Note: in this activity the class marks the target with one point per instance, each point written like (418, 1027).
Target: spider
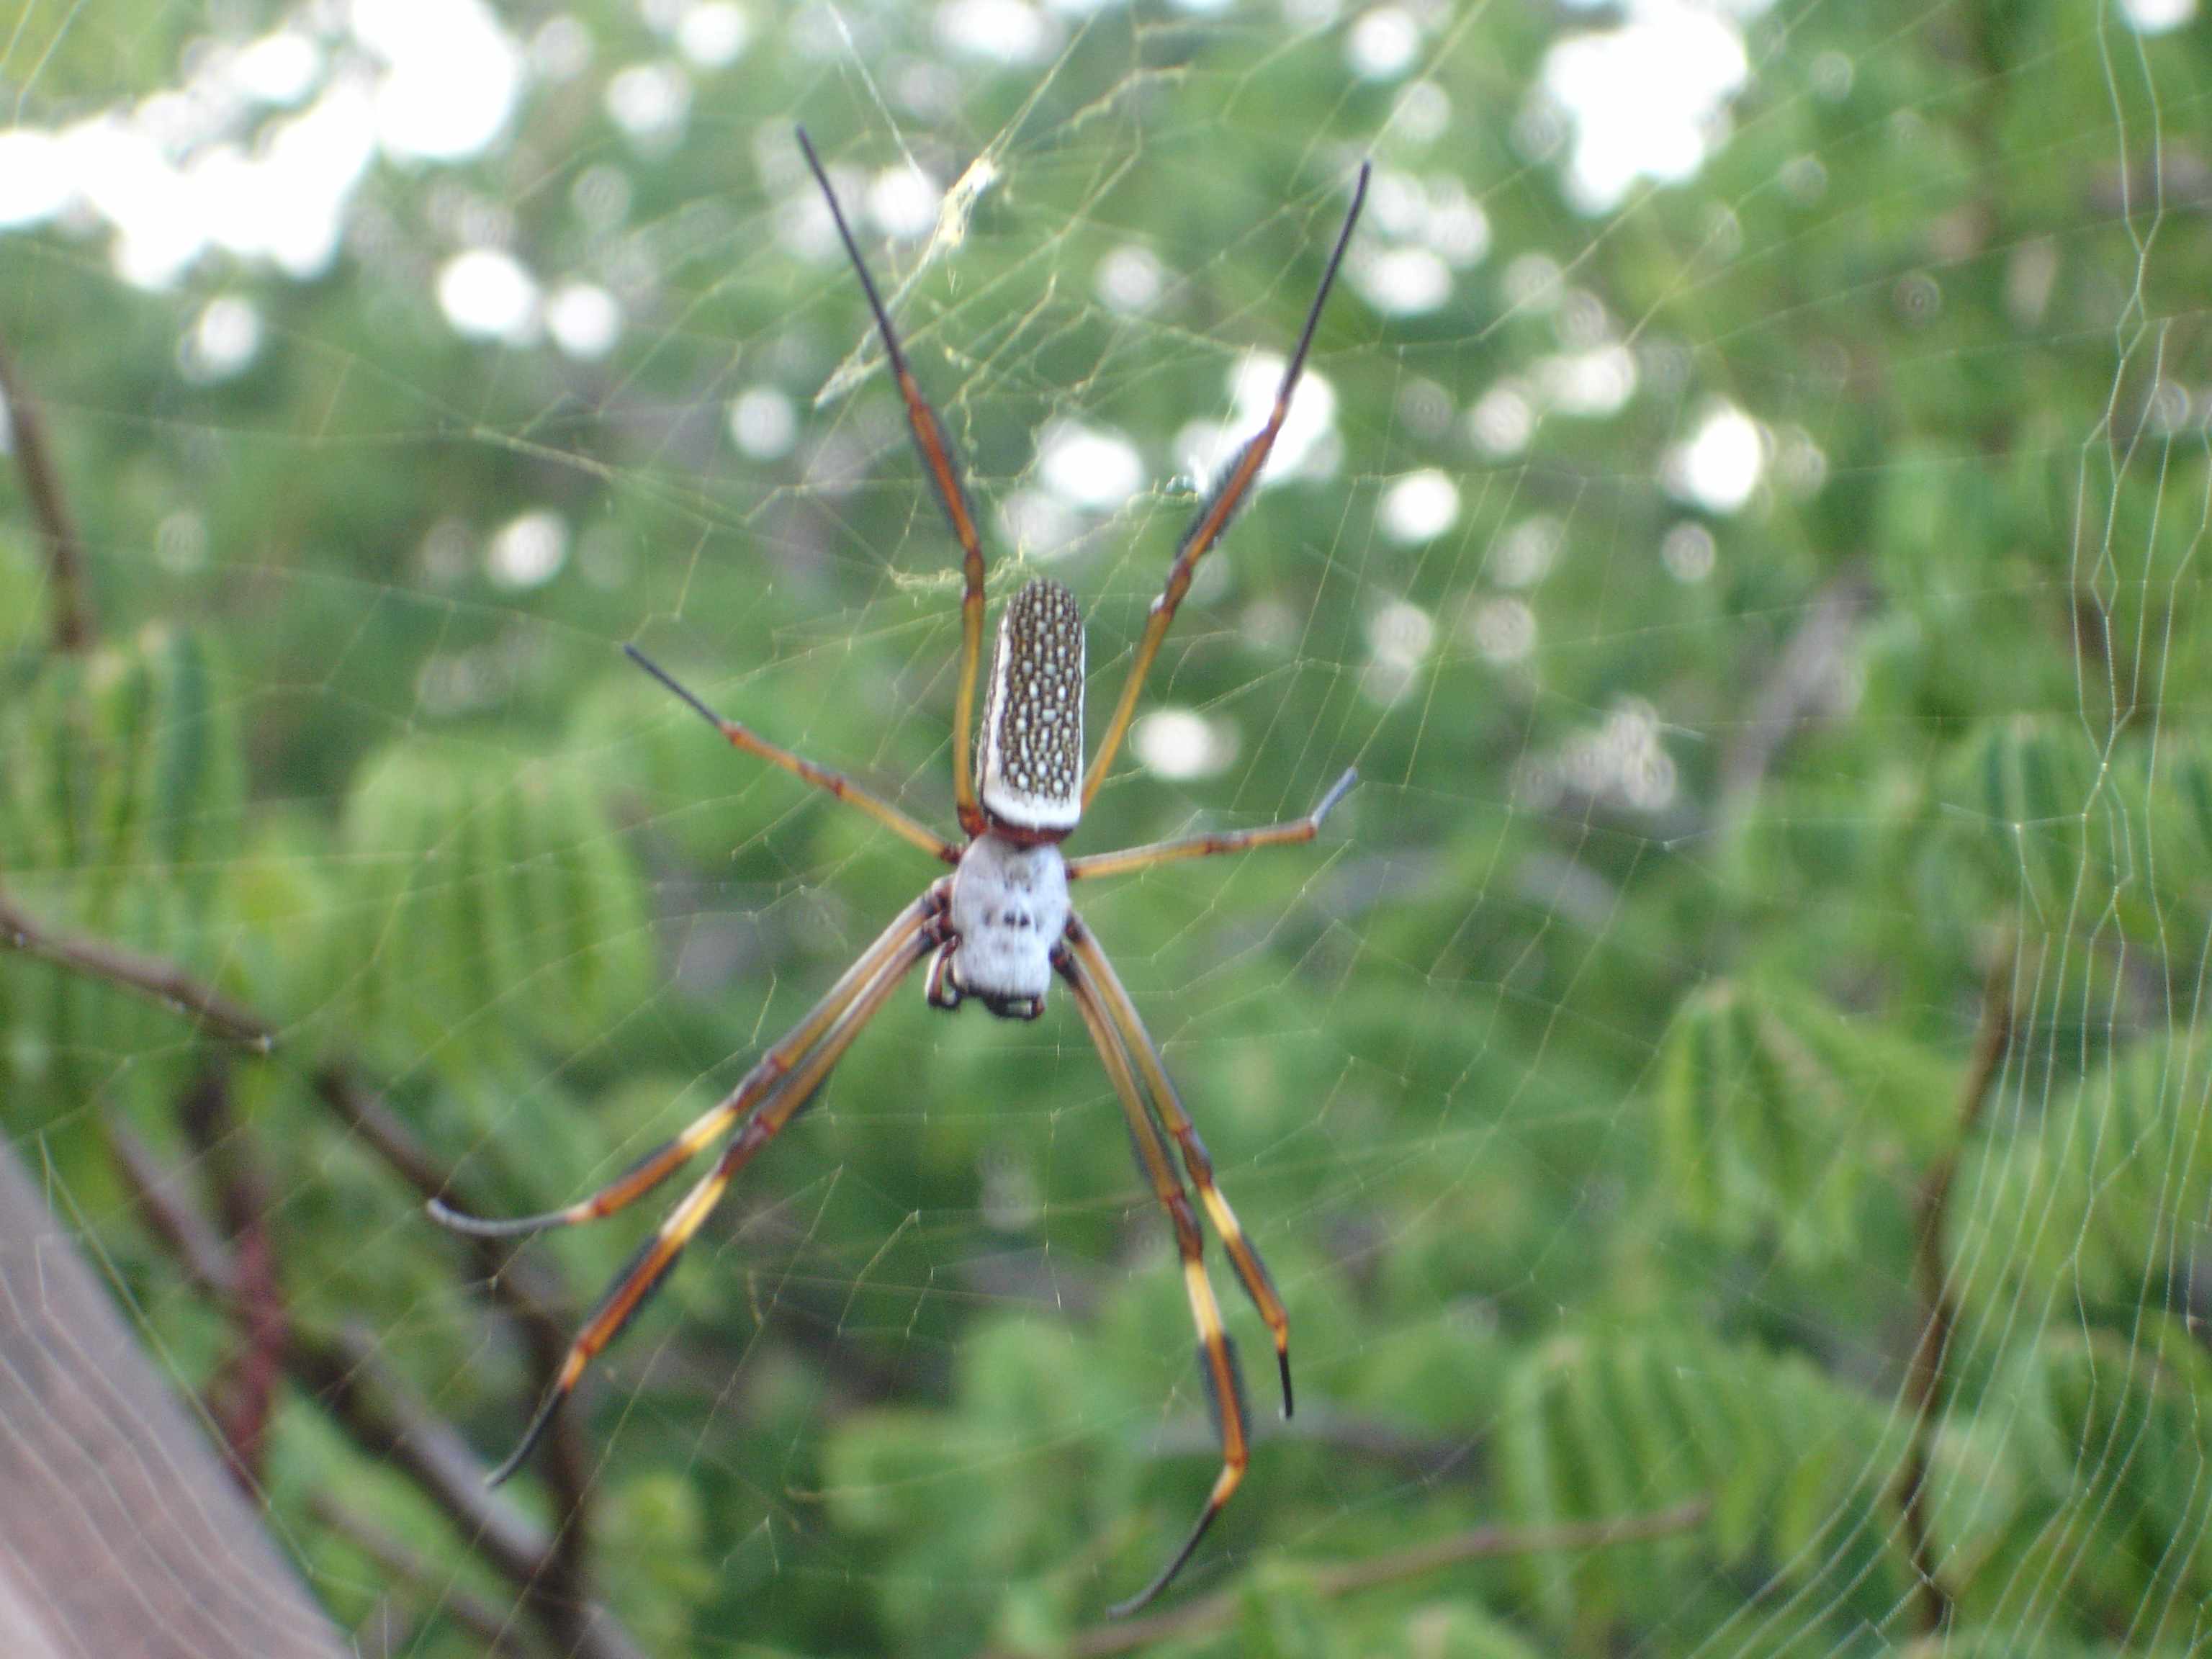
(997, 928)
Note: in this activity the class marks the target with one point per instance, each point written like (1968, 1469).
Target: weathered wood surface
(121, 1535)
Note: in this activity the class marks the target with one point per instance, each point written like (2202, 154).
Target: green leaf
(1774, 1111)
(1786, 1455)
(508, 896)
(2097, 1198)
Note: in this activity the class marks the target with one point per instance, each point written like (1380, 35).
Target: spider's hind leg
(939, 988)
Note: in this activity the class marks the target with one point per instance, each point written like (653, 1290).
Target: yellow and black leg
(1217, 1355)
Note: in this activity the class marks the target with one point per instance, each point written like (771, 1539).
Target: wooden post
(120, 1531)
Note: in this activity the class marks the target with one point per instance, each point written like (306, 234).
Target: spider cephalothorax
(1009, 909)
(999, 929)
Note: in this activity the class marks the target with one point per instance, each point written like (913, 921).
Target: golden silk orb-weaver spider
(997, 928)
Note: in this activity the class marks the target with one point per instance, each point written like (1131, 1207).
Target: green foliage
(2105, 1428)
(123, 766)
(122, 791)
(1599, 1424)
(1774, 1111)
(508, 894)
(1587, 1083)
(2117, 1171)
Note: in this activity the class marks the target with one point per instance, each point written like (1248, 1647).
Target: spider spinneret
(999, 927)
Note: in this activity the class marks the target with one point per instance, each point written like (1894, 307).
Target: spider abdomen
(1009, 914)
(1028, 751)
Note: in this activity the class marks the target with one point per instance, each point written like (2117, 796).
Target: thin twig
(1207, 1613)
(530, 1294)
(383, 1415)
(1925, 1382)
(153, 977)
(242, 1397)
(1800, 688)
(169, 1214)
(553, 1574)
(559, 1581)
(27, 429)
(345, 1372)
(1432, 1458)
(386, 1418)
(531, 1302)
(480, 1618)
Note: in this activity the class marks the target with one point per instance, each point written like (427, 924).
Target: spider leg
(1251, 1271)
(835, 783)
(1132, 858)
(1221, 506)
(944, 469)
(650, 1266)
(671, 1155)
(1217, 1354)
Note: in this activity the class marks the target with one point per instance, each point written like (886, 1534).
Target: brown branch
(1799, 690)
(556, 1580)
(42, 483)
(345, 1372)
(155, 978)
(1924, 1380)
(169, 1214)
(386, 1418)
(1429, 1458)
(384, 1415)
(559, 1582)
(242, 1397)
(480, 1618)
(1208, 1614)
(534, 1305)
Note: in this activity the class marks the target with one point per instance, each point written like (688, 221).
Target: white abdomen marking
(1009, 910)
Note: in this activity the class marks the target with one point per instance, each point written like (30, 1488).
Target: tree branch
(242, 1395)
(42, 483)
(552, 1574)
(480, 1618)
(532, 1302)
(383, 1415)
(155, 978)
(1924, 1380)
(558, 1581)
(1429, 1458)
(1800, 690)
(1208, 1614)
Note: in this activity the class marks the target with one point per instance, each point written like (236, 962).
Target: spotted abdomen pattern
(1028, 758)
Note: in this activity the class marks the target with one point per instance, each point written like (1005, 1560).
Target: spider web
(1741, 520)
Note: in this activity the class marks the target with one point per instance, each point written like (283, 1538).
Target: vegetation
(1725, 1099)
